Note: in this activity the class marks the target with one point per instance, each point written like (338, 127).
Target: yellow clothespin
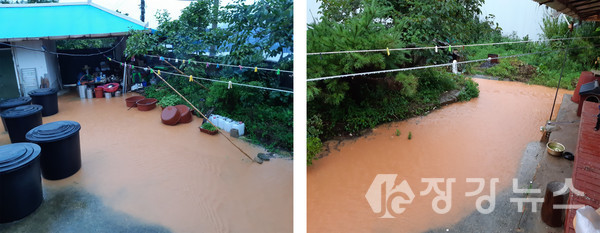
(158, 72)
(255, 69)
(191, 78)
(388, 51)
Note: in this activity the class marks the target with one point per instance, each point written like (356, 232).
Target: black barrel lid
(16, 155)
(52, 132)
(9, 103)
(21, 111)
(42, 91)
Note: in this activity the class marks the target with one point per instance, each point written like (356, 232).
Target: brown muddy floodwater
(482, 138)
(174, 176)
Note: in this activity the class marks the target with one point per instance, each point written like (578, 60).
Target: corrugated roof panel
(60, 20)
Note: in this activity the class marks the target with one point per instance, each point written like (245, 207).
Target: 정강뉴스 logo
(383, 195)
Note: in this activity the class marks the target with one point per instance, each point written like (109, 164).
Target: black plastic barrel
(47, 97)
(20, 181)
(61, 151)
(14, 102)
(19, 120)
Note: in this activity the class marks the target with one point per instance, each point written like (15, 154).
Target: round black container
(11, 103)
(19, 120)
(61, 151)
(20, 181)
(47, 98)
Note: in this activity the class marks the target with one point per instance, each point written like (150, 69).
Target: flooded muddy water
(482, 138)
(174, 176)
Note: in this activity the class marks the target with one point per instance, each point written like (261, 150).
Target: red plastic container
(186, 114)
(99, 91)
(110, 87)
(585, 77)
(170, 115)
(146, 104)
(130, 102)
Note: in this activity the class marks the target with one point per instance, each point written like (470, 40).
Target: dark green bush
(470, 91)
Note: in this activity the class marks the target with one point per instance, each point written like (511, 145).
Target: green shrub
(471, 90)
(170, 100)
(313, 147)
(505, 69)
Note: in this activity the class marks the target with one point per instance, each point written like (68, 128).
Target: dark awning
(587, 10)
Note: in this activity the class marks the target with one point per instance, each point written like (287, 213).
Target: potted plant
(209, 128)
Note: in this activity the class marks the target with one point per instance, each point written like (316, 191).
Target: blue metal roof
(61, 21)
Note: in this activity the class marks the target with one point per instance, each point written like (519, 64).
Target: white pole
(454, 67)
(124, 79)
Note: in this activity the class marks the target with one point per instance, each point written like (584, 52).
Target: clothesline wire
(220, 64)
(43, 50)
(428, 66)
(446, 46)
(181, 72)
(213, 80)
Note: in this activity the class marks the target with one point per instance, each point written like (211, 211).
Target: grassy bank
(374, 102)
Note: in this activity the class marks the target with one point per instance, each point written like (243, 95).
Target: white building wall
(45, 65)
(52, 65)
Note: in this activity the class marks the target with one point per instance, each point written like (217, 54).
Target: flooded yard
(482, 138)
(174, 177)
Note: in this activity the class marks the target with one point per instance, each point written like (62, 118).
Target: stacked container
(216, 120)
(20, 120)
(226, 124)
(47, 98)
(11, 103)
(61, 151)
(239, 126)
(21, 186)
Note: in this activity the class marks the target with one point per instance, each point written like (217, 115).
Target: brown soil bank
(173, 176)
(482, 138)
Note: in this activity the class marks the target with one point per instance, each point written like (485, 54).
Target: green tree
(265, 27)
(346, 106)
(249, 35)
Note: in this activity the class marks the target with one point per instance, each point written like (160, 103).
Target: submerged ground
(483, 138)
(139, 175)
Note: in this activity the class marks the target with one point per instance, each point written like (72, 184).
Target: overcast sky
(521, 16)
(132, 7)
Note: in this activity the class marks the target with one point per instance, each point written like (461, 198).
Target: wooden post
(552, 216)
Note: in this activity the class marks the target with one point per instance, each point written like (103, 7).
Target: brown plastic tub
(146, 104)
(170, 115)
(186, 114)
(131, 101)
